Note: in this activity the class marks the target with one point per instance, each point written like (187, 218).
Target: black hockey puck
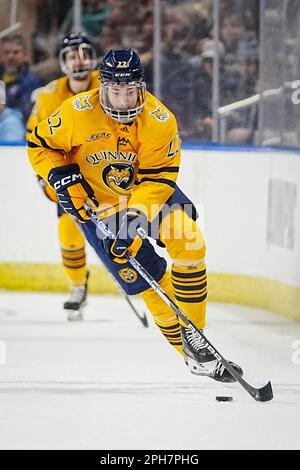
(224, 398)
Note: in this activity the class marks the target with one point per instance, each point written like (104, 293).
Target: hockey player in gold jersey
(118, 146)
(77, 60)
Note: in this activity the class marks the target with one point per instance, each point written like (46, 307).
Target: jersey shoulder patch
(160, 114)
(82, 102)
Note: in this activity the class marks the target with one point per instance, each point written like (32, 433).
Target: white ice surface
(109, 383)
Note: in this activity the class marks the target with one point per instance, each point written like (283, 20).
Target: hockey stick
(143, 318)
(262, 394)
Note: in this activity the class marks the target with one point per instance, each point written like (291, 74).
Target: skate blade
(75, 315)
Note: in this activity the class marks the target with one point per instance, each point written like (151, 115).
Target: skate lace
(219, 370)
(77, 294)
(194, 340)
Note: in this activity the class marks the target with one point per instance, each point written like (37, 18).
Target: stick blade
(144, 320)
(265, 393)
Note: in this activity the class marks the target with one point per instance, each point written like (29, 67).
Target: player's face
(75, 61)
(122, 97)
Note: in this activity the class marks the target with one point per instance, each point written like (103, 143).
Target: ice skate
(77, 301)
(201, 361)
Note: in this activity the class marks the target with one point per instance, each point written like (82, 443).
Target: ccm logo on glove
(66, 181)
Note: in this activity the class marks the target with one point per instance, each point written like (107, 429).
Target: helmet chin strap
(82, 75)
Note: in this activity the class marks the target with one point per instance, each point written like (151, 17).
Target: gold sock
(190, 291)
(163, 315)
(72, 249)
(74, 262)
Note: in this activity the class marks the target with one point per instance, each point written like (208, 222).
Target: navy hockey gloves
(72, 190)
(127, 239)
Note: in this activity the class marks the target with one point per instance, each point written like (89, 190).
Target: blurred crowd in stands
(188, 55)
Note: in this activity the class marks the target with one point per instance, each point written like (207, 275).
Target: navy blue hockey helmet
(122, 67)
(86, 51)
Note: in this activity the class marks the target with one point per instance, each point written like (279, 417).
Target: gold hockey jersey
(132, 164)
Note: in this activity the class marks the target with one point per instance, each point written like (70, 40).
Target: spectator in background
(202, 87)
(128, 19)
(234, 86)
(241, 125)
(249, 9)
(233, 33)
(247, 70)
(109, 39)
(232, 28)
(197, 21)
(14, 71)
(177, 74)
(275, 47)
(11, 123)
(130, 24)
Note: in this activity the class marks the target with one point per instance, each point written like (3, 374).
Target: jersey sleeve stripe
(158, 180)
(155, 171)
(32, 144)
(44, 143)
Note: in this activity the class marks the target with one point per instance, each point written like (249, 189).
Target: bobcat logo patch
(82, 103)
(128, 275)
(160, 114)
(119, 177)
